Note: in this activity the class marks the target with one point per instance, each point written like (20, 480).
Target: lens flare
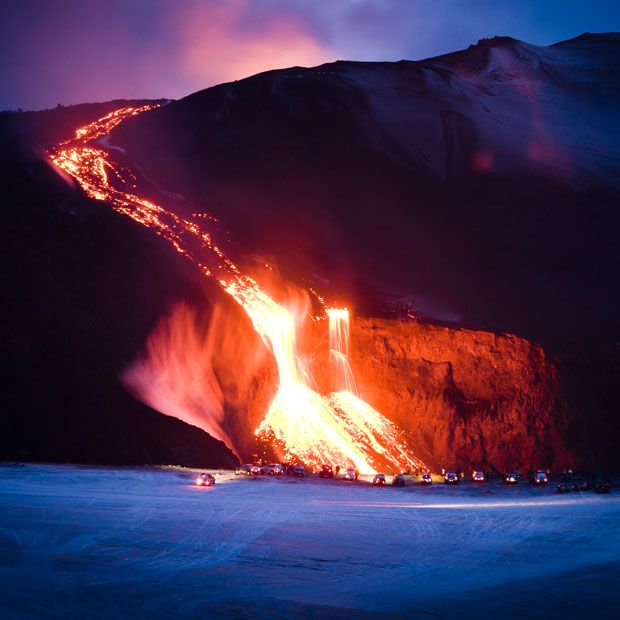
(339, 428)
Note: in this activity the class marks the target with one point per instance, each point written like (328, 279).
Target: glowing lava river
(339, 428)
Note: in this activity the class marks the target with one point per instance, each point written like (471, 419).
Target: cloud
(71, 51)
(220, 42)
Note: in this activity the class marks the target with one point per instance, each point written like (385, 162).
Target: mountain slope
(483, 184)
(82, 289)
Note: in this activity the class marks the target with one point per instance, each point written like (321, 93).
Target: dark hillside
(82, 288)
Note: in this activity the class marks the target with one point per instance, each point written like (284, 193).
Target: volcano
(465, 206)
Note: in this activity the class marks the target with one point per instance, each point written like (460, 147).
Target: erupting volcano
(303, 425)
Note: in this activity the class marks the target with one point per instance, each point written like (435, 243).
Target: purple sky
(72, 51)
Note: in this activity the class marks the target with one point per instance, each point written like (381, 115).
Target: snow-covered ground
(85, 542)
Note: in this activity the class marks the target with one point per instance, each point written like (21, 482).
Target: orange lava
(339, 428)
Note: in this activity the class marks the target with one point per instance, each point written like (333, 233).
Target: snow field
(147, 543)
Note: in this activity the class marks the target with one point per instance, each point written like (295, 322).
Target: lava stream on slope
(339, 428)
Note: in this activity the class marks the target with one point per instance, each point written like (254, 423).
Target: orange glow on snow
(338, 428)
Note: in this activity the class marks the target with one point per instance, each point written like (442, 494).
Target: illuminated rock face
(466, 398)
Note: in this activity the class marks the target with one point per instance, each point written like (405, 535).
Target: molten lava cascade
(339, 338)
(339, 428)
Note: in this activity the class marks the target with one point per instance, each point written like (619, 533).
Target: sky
(73, 51)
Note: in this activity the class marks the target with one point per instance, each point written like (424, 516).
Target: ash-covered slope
(81, 289)
(482, 184)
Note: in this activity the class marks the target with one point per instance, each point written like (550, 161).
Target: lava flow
(339, 428)
(339, 338)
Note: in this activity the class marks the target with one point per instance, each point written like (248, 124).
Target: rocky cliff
(476, 399)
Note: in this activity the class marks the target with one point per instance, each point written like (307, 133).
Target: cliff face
(466, 398)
